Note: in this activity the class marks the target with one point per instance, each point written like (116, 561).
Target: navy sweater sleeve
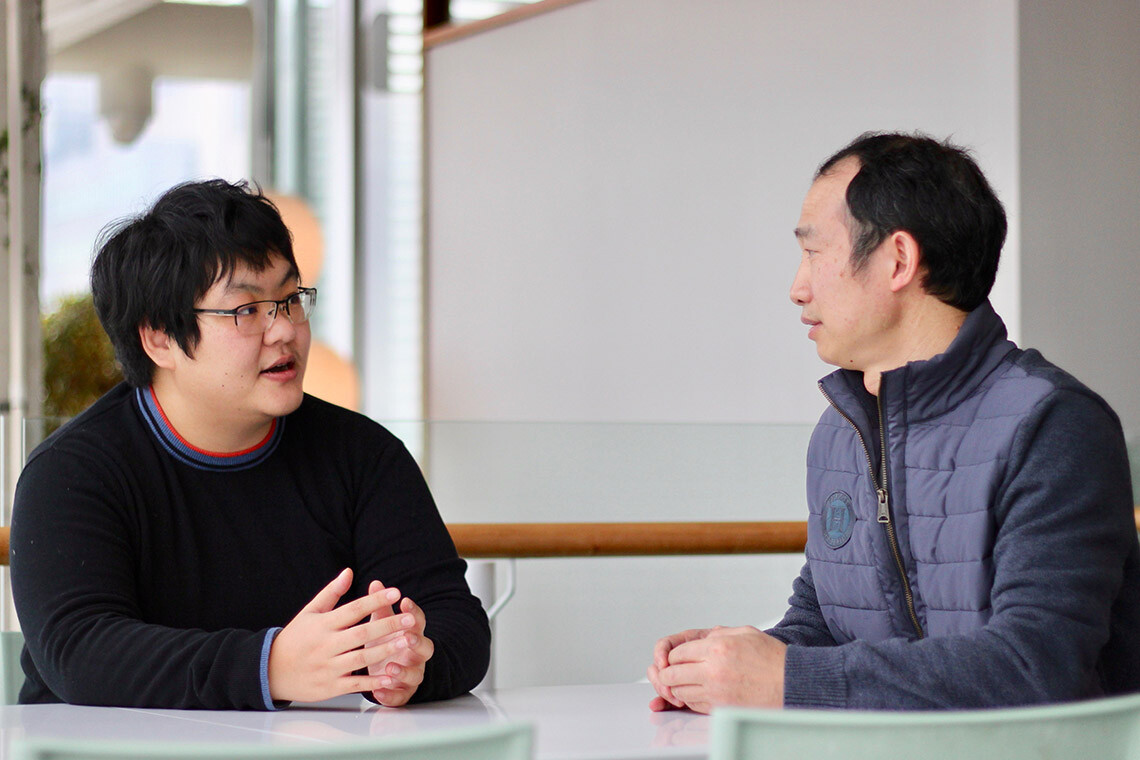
(74, 583)
(1065, 546)
(803, 623)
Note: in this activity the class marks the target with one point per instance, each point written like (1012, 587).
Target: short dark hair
(936, 192)
(151, 269)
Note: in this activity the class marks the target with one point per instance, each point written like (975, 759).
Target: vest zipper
(884, 497)
(885, 518)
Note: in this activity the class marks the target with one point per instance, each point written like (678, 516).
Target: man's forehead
(822, 206)
(835, 182)
(245, 278)
(826, 200)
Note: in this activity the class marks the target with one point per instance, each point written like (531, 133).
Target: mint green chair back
(1104, 729)
(11, 674)
(501, 741)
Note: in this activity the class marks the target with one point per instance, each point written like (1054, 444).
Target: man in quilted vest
(971, 539)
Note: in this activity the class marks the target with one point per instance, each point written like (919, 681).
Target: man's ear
(159, 346)
(906, 260)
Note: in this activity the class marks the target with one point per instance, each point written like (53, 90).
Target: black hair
(936, 192)
(153, 268)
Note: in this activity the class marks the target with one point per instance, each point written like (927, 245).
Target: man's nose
(800, 292)
(280, 327)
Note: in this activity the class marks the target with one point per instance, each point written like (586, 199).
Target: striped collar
(187, 453)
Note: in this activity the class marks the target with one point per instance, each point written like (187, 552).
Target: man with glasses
(188, 540)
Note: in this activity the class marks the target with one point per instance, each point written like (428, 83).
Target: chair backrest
(499, 741)
(11, 674)
(1106, 729)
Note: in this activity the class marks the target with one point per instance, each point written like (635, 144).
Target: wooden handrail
(523, 540)
(629, 539)
(482, 540)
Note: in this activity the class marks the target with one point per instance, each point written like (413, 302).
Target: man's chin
(828, 358)
(286, 400)
(293, 404)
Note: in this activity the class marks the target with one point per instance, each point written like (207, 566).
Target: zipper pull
(884, 509)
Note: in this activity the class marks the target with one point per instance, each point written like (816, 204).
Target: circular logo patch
(838, 519)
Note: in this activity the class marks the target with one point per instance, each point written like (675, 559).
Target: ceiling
(165, 39)
(68, 21)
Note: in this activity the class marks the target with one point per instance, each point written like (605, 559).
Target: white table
(606, 722)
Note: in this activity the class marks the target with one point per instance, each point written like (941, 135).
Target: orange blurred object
(328, 375)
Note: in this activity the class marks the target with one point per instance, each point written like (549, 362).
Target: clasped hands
(711, 667)
(317, 655)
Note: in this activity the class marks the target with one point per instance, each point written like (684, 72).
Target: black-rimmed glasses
(254, 318)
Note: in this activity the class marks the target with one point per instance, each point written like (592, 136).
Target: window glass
(198, 128)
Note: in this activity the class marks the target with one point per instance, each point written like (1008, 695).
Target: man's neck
(203, 429)
(923, 333)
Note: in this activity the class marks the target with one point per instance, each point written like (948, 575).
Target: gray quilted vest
(911, 555)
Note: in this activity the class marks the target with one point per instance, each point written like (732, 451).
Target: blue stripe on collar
(197, 458)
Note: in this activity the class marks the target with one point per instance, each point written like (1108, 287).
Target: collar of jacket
(930, 388)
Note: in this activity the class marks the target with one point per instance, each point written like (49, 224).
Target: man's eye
(294, 300)
(246, 311)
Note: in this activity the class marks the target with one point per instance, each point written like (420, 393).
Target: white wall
(612, 189)
(1080, 162)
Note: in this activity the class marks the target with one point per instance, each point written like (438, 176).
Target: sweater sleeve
(73, 581)
(1064, 532)
(803, 623)
(401, 540)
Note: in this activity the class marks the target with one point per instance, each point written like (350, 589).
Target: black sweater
(147, 574)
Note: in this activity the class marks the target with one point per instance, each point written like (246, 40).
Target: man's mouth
(284, 366)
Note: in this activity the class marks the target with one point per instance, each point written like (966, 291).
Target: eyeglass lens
(261, 314)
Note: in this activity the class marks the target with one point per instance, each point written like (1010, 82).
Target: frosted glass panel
(599, 472)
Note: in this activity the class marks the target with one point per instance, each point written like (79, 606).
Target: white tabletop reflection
(571, 722)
